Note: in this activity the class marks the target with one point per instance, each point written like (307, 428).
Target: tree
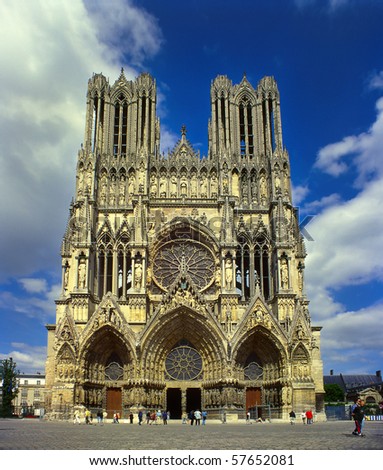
(9, 385)
(334, 393)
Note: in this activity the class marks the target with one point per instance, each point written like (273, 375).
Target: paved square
(43, 435)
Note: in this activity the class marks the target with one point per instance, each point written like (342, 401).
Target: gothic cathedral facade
(182, 275)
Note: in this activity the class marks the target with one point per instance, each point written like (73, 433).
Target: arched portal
(108, 366)
(181, 353)
(260, 359)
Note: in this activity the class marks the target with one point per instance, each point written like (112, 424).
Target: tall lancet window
(120, 126)
(246, 128)
(262, 266)
(269, 124)
(97, 121)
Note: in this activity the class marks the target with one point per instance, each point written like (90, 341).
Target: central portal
(174, 401)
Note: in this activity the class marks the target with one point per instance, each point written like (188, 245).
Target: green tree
(9, 385)
(334, 393)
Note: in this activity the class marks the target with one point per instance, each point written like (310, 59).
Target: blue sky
(327, 58)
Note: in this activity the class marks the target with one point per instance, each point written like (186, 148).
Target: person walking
(356, 403)
(197, 416)
(292, 417)
(140, 416)
(164, 417)
(76, 419)
(303, 417)
(359, 417)
(204, 417)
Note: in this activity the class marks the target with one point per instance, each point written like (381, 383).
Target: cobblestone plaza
(43, 435)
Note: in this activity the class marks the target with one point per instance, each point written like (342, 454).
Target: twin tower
(182, 275)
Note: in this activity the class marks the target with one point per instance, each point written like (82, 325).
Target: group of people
(86, 416)
(194, 417)
(358, 415)
(306, 416)
(154, 417)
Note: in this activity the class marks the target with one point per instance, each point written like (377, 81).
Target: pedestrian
(197, 416)
(164, 417)
(148, 417)
(191, 417)
(140, 416)
(116, 418)
(99, 417)
(356, 403)
(184, 417)
(303, 416)
(131, 417)
(292, 417)
(359, 417)
(76, 418)
(248, 417)
(364, 417)
(204, 417)
(309, 416)
(88, 415)
(104, 415)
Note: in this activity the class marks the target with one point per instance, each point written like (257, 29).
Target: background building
(182, 275)
(30, 400)
(366, 386)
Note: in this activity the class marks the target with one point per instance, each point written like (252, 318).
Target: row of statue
(253, 188)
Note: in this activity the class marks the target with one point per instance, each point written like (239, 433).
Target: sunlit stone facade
(182, 274)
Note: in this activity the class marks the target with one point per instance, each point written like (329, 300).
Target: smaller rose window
(253, 371)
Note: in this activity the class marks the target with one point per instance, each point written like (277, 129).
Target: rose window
(183, 363)
(183, 258)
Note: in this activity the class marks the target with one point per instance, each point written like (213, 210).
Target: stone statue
(138, 275)
(82, 275)
(229, 273)
(66, 277)
(284, 274)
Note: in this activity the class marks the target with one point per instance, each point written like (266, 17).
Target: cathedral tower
(182, 275)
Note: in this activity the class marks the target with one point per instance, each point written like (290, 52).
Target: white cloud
(29, 359)
(33, 285)
(363, 151)
(40, 305)
(299, 193)
(328, 159)
(352, 337)
(326, 201)
(49, 50)
(131, 30)
(376, 81)
(347, 239)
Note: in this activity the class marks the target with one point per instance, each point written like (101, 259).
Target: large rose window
(183, 257)
(183, 363)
